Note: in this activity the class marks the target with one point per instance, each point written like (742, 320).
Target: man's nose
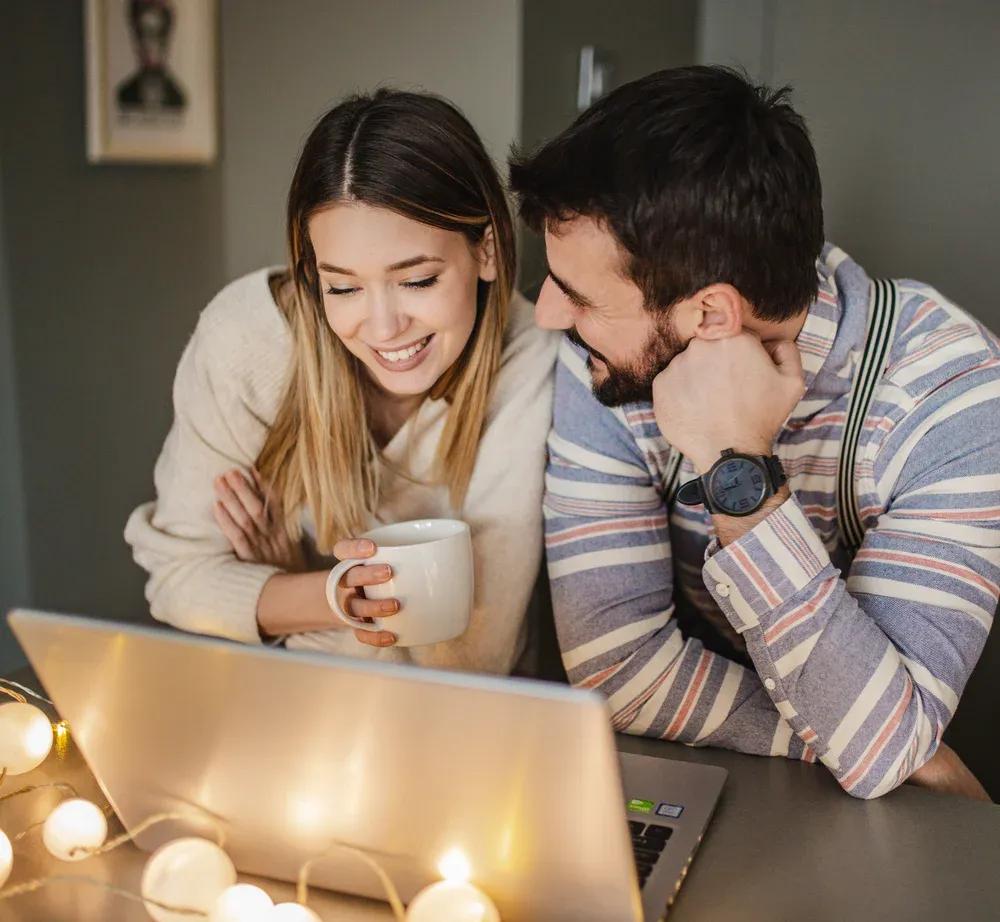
(552, 312)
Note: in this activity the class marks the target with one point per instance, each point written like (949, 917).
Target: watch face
(738, 486)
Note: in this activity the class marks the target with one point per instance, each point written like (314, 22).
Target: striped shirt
(858, 663)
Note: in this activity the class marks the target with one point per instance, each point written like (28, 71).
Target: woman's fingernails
(389, 605)
(366, 547)
(384, 572)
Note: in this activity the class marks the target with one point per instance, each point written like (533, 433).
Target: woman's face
(401, 295)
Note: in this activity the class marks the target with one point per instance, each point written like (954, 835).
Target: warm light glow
(293, 912)
(74, 825)
(6, 857)
(61, 731)
(454, 866)
(242, 903)
(452, 901)
(189, 872)
(25, 737)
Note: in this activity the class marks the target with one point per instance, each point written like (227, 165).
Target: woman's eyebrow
(395, 267)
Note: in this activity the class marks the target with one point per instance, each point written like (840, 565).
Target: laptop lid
(295, 750)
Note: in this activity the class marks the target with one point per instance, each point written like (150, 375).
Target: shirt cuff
(767, 566)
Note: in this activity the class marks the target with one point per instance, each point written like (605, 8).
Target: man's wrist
(730, 528)
(755, 447)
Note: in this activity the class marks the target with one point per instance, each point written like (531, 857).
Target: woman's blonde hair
(418, 156)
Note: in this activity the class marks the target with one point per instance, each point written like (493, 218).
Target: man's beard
(633, 383)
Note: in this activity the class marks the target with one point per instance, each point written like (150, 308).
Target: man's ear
(721, 308)
(487, 257)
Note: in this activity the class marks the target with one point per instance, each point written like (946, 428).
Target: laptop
(292, 750)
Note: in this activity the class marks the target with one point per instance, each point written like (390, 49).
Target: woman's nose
(385, 323)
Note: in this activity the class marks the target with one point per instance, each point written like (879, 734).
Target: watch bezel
(713, 494)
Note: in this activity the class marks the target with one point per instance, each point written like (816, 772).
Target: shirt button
(769, 683)
(722, 589)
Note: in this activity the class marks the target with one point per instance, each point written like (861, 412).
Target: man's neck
(771, 331)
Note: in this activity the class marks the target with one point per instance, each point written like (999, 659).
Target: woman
(389, 374)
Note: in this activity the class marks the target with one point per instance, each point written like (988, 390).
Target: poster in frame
(151, 81)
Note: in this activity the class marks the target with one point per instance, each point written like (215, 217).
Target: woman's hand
(254, 523)
(350, 592)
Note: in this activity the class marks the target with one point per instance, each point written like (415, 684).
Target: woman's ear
(487, 257)
(721, 308)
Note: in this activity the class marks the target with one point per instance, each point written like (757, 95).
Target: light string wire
(30, 886)
(392, 894)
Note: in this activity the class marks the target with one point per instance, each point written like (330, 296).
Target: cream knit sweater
(226, 393)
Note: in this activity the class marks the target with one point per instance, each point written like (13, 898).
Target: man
(684, 232)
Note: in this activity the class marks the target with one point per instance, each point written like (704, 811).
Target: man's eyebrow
(578, 299)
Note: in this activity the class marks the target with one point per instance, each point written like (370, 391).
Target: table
(786, 843)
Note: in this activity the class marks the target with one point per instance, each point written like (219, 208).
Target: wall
(287, 63)
(107, 267)
(13, 537)
(637, 37)
(900, 97)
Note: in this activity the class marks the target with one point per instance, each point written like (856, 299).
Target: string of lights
(190, 875)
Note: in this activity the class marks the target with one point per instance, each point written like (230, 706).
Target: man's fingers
(234, 534)
(786, 356)
(366, 576)
(375, 638)
(353, 548)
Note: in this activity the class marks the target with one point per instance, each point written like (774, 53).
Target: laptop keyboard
(647, 846)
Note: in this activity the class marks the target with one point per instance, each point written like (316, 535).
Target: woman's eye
(340, 291)
(422, 283)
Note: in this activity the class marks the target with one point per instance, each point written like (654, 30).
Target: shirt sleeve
(610, 568)
(868, 670)
(195, 582)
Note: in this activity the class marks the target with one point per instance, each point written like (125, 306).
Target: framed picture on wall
(151, 81)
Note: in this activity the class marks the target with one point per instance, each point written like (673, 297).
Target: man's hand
(727, 393)
(946, 773)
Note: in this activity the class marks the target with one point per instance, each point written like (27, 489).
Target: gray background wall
(13, 547)
(637, 37)
(901, 98)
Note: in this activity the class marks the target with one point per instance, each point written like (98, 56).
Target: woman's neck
(388, 412)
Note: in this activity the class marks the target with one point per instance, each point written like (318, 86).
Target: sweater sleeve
(504, 506)
(195, 582)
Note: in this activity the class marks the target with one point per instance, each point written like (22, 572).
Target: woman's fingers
(375, 638)
(372, 608)
(234, 534)
(237, 512)
(366, 576)
(353, 548)
(249, 496)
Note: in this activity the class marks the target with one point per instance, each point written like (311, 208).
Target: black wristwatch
(736, 484)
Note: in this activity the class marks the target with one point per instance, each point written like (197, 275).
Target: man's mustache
(574, 338)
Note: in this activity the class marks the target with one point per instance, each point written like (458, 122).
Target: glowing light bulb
(293, 912)
(452, 901)
(455, 866)
(242, 903)
(25, 737)
(73, 825)
(6, 857)
(188, 873)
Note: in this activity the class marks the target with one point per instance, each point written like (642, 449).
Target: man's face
(586, 294)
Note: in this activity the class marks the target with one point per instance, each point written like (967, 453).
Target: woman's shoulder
(241, 344)
(529, 356)
(525, 341)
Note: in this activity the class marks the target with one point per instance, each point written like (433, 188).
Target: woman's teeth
(404, 354)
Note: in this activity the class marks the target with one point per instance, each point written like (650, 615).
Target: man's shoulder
(936, 342)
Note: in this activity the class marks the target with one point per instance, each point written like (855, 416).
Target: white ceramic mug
(431, 562)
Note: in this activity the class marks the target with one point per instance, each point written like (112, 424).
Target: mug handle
(332, 582)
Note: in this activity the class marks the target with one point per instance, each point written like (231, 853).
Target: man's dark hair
(701, 175)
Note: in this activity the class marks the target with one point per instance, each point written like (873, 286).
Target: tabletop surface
(785, 843)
